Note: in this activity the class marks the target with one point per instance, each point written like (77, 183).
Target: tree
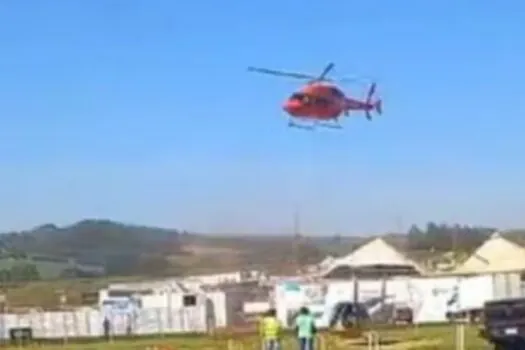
(5, 275)
(69, 273)
(416, 238)
(308, 253)
(445, 237)
(121, 264)
(153, 265)
(24, 272)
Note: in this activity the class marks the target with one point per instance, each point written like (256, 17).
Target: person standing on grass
(106, 325)
(306, 330)
(270, 331)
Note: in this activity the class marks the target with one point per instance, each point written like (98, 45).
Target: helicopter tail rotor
(377, 105)
(371, 92)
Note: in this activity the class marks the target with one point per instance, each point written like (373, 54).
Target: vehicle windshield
(505, 312)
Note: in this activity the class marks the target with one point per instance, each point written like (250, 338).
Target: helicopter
(321, 102)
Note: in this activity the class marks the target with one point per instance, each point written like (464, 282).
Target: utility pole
(296, 238)
(296, 222)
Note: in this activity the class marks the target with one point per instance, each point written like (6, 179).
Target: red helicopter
(321, 101)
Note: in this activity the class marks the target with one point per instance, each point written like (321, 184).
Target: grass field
(45, 294)
(424, 338)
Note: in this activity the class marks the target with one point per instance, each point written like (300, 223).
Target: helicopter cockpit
(299, 96)
(308, 99)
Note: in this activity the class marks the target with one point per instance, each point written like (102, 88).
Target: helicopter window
(336, 92)
(303, 98)
(298, 96)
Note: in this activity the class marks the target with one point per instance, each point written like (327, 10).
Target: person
(305, 329)
(270, 330)
(106, 325)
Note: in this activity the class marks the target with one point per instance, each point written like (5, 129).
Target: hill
(85, 247)
(137, 252)
(126, 250)
(89, 245)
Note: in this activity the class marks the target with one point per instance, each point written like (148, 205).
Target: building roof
(496, 254)
(375, 252)
(328, 261)
(172, 285)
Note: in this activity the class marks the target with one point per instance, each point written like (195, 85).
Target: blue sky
(142, 111)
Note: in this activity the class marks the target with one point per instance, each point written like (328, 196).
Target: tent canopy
(373, 259)
(496, 254)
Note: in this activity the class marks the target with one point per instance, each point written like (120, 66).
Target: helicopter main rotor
(311, 78)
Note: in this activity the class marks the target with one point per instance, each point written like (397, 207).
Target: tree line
(447, 237)
(136, 250)
(19, 272)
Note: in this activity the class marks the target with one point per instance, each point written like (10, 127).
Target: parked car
(504, 323)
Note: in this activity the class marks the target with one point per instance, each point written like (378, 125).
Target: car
(504, 323)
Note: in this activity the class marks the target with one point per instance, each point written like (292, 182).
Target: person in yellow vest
(270, 331)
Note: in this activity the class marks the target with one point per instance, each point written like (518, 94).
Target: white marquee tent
(495, 255)
(374, 254)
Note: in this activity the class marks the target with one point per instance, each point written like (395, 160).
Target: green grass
(420, 338)
(48, 269)
(45, 294)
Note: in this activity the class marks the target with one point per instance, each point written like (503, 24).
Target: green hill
(87, 248)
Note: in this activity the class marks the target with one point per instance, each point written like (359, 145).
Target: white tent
(374, 254)
(497, 254)
(327, 262)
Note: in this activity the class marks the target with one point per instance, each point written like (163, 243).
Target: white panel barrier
(89, 323)
(430, 298)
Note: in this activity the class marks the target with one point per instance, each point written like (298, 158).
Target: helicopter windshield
(336, 92)
(313, 100)
(299, 96)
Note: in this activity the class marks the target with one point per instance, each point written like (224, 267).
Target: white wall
(255, 307)
(430, 298)
(226, 277)
(507, 285)
(84, 323)
(163, 299)
(218, 300)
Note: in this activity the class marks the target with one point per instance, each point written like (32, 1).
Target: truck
(504, 323)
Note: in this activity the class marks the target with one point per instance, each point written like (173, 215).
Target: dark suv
(504, 322)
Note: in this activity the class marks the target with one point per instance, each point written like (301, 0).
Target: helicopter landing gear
(291, 124)
(331, 125)
(334, 125)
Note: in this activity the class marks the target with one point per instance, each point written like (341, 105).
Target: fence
(89, 323)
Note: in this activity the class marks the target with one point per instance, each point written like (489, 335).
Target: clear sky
(142, 111)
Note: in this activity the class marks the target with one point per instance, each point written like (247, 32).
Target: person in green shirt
(305, 328)
(270, 330)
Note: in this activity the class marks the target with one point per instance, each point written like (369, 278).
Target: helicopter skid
(291, 124)
(330, 125)
(313, 126)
